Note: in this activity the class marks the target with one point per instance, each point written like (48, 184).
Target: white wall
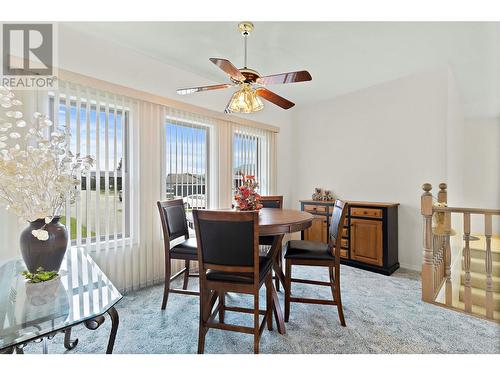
(482, 167)
(379, 144)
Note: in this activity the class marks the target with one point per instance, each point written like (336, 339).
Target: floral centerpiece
(247, 198)
(38, 174)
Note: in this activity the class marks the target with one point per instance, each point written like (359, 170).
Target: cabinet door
(318, 230)
(366, 241)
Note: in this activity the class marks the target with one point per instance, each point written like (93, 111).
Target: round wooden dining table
(277, 222)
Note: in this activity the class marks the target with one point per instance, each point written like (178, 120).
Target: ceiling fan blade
(192, 90)
(229, 68)
(274, 98)
(290, 77)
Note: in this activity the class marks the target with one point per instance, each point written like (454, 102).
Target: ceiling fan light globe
(245, 100)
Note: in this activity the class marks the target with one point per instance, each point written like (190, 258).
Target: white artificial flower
(14, 114)
(48, 220)
(40, 234)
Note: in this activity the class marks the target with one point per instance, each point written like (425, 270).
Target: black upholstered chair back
(272, 201)
(336, 225)
(173, 219)
(228, 239)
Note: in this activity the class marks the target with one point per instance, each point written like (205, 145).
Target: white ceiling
(342, 57)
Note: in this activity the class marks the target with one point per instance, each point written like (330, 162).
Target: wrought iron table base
(69, 344)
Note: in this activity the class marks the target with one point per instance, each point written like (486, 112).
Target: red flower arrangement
(247, 199)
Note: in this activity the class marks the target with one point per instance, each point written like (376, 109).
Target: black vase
(47, 254)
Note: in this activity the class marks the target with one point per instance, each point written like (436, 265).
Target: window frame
(258, 146)
(187, 124)
(125, 172)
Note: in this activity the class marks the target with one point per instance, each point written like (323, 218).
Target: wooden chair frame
(167, 238)
(274, 198)
(333, 268)
(279, 255)
(211, 290)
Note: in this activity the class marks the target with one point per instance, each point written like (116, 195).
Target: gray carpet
(383, 315)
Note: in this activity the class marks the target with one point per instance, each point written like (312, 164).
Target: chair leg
(167, 282)
(256, 335)
(335, 285)
(222, 303)
(280, 263)
(288, 288)
(202, 331)
(186, 275)
(269, 301)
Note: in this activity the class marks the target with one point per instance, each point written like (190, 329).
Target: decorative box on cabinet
(370, 235)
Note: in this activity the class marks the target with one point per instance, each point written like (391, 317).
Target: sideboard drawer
(366, 212)
(315, 209)
(344, 232)
(345, 243)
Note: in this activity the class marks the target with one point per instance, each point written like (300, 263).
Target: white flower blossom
(40, 234)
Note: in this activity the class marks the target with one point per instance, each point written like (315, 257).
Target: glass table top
(29, 311)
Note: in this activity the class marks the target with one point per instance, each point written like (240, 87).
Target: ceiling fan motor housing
(250, 75)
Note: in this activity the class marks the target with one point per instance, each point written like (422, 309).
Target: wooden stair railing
(436, 266)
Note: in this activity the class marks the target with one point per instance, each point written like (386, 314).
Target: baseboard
(410, 267)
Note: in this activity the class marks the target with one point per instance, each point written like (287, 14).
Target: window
(100, 130)
(186, 166)
(251, 156)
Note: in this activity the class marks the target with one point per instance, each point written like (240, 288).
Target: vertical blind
(100, 217)
(98, 125)
(253, 155)
(186, 163)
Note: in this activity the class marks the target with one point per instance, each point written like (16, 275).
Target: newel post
(427, 265)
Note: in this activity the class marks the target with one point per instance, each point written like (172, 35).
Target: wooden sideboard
(370, 234)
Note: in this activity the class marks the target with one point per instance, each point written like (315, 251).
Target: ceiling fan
(251, 85)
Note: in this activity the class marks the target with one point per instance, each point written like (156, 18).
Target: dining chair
(174, 225)
(229, 261)
(315, 253)
(272, 201)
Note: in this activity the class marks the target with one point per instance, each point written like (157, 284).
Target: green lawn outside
(73, 228)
